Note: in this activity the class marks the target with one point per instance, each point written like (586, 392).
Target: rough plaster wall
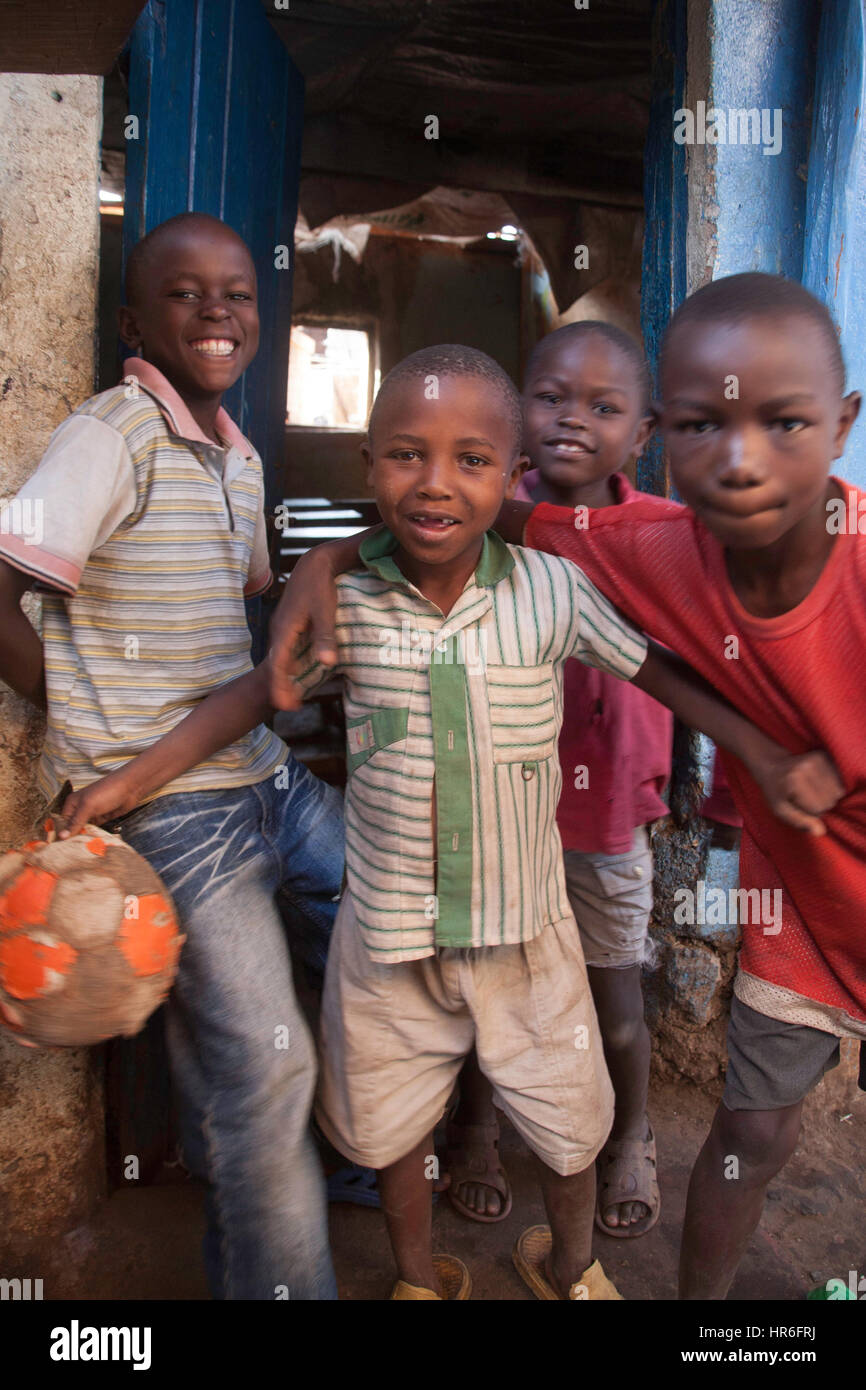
(50, 1102)
(703, 210)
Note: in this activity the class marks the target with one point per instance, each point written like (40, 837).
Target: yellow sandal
(530, 1256)
(454, 1278)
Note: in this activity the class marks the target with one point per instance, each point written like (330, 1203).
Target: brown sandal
(628, 1173)
(472, 1155)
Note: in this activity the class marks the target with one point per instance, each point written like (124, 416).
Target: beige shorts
(611, 896)
(394, 1038)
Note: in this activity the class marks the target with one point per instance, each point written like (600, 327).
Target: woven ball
(89, 940)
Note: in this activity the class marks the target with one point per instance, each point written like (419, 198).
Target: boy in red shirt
(758, 582)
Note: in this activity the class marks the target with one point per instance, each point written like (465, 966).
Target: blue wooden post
(663, 275)
(835, 251)
(220, 111)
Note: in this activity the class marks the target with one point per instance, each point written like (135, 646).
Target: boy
(758, 581)
(456, 927)
(151, 501)
(586, 416)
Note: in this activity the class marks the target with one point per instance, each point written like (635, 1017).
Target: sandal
(530, 1256)
(454, 1278)
(628, 1173)
(472, 1155)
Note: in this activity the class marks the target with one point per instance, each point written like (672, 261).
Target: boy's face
(755, 465)
(440, 469)
(582, 411)
(195, 315)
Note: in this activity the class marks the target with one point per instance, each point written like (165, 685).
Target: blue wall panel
(663, 274)
(835, 253)
(220, 107)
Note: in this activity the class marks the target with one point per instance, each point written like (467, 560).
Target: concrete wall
(51, 1165)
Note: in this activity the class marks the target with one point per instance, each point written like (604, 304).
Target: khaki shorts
(611, 896)
(394, 1038)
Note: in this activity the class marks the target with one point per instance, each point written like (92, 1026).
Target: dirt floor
(144, 1242)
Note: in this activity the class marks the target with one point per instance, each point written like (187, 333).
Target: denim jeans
(242, 1058)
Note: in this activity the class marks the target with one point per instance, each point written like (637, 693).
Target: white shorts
(394, 1038)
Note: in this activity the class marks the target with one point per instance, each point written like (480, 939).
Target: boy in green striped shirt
(456, 928)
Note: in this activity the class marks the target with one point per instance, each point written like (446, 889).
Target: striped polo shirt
(467, 710)
(145, 537)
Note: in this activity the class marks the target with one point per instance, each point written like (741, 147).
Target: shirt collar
(175, 410)
(622, 488)
(377, 555)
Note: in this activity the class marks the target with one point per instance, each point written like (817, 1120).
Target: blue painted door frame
(801, 213)
(220, 111)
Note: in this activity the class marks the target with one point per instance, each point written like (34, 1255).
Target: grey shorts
(611, 896)
(772, 1064)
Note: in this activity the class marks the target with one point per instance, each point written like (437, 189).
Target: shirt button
(638, 871)
(528, 771)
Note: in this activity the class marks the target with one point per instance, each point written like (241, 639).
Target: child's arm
(798, 788)
(219, 720)
(308, 606)
(21, 658)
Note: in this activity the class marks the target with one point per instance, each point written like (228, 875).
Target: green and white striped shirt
(467, 708)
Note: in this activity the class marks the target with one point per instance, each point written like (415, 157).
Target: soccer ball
(89, 940)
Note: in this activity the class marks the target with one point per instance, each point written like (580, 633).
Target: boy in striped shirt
(456, 929)
(151, 531)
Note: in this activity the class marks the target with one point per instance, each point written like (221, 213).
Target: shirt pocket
(522, 713)
(367, 733)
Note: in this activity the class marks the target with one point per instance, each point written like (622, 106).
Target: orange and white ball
(89, 940)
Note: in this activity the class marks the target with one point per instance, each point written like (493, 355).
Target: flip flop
(530, 1256)
(453, 1276)
(355, 1185)
(476, 1162)
(634, 1160)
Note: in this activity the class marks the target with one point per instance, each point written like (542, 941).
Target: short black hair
(454, 359)
(617, 337)
(757, 295)
(144, 249)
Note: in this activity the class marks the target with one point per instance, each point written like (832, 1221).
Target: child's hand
(104, 800)
(800, 787)
(308, 605)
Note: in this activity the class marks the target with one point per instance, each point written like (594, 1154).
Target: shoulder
(539, 567)
(126, 410)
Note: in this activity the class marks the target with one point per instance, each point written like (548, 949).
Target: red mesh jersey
(615, 731)
(800, 677)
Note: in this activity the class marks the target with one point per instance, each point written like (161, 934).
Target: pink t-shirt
(615, 743)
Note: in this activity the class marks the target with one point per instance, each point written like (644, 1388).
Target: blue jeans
(242, 1058)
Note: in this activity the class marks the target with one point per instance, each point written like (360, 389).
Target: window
(330, 377)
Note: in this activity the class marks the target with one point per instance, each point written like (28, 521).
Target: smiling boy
(153, 534)
(456, 929)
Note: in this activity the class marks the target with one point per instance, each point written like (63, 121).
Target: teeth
(214, 347)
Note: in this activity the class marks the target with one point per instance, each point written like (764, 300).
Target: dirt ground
(144, 1243)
